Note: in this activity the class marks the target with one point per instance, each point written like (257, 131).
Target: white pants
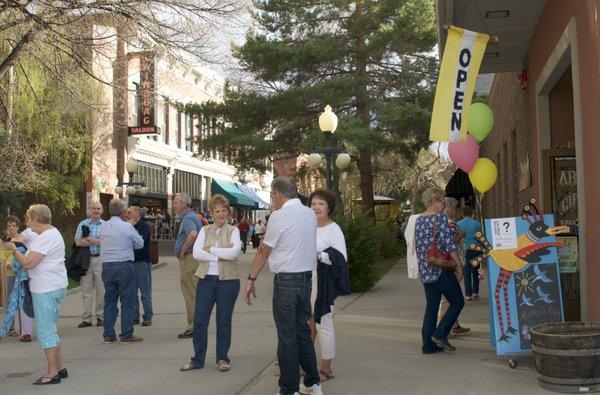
(325, 332)
(90, 282)
(26, 323)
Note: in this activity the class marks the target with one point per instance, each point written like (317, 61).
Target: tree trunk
(362, 106)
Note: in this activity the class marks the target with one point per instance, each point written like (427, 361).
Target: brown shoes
(132, 340)
(25, 339)
(84, 324)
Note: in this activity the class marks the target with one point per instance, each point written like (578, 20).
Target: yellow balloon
(483, 175)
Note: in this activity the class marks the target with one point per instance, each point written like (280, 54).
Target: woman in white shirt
(217, 248)
(329, 235)
(45, 264)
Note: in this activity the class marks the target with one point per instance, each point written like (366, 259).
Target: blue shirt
(118, 239)
(423, 238)
(470, 226)
(189, 223)
(94, 232)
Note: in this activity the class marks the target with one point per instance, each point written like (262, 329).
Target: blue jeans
(143, 281)
(291, 311)
(448, 286)
(119, 282)
(211, 290)
(471, 274)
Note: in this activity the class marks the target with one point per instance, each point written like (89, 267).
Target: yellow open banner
(456, 83)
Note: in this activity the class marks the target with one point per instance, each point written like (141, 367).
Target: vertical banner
(524, 281)
(460, 66)
(145, 102)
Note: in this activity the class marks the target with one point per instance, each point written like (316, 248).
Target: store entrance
(559, 171)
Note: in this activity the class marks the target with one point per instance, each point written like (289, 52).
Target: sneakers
(147, 322)
(136, 321)
(99, 322)
(132, 340)
(109, 340)
(443, 343)
(460, 331)
(84, 324)
(315, 389)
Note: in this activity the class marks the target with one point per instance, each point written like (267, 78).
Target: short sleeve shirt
(470, 226)
(423, 238)
(292, 235)
(50, 274)
(189, 223)
(94, 232)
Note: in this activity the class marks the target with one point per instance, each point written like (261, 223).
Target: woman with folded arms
(217, 248)
(45, 264)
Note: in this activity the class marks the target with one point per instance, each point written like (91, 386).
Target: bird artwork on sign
(530, 250)
(544, 297)
(540, 275)
(526, 301)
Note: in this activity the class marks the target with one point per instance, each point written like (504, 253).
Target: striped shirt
(94, 232)
(292, 234)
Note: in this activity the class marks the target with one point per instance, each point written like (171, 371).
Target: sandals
(13, 333)
(51, 380)
(190, 366)
(325, 376)
(223, 366)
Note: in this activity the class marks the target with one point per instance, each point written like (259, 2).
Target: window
(178, 127)
(188, 132)
(165, 134)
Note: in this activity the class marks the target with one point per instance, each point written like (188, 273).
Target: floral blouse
(424, 237)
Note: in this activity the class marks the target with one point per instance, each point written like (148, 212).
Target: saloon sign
(145, 121)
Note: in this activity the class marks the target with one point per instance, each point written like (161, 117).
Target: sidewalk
(378, 349)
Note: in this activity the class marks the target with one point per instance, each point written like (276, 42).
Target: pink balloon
(464, 153)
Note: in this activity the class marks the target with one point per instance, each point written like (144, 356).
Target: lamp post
(131, 187)
(328, 123)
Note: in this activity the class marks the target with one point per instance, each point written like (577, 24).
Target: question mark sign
(506, 226)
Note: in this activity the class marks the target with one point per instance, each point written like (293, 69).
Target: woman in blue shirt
(437, 282)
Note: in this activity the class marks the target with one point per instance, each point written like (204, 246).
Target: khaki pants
(187, 268)
(92, 284)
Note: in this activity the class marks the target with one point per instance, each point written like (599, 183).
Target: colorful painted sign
(524, 284)
(458, 75)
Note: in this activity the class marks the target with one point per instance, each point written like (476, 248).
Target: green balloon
(481, 121)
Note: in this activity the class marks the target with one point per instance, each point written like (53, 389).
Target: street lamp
(328, 122)
(131, 187)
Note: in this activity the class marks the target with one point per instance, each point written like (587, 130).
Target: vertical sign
(564, 190)
(524, 283)
(146, 104)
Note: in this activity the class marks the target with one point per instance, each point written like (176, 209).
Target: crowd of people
(305, 249)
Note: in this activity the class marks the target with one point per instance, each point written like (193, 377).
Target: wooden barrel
(567, 356)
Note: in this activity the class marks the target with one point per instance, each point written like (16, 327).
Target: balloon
(464, 153)
(481, 121)
(484, 175)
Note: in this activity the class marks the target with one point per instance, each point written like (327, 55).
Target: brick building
(545, 97)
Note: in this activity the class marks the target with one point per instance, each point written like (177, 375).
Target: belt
(293, 276)
(94, 255)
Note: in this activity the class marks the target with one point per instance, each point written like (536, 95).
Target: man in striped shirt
(289, 245)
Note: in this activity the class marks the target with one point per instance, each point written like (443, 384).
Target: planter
(567, 356)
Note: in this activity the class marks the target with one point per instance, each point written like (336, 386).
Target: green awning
(236, 196)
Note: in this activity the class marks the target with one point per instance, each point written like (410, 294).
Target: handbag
(438, 258)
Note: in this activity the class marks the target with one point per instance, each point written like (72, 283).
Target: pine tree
(372, 61)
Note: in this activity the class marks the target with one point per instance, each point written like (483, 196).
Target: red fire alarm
(523, 79)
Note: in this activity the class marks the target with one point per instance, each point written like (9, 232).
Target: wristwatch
(251, 278)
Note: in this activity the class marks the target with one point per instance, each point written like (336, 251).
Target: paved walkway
(378, 347)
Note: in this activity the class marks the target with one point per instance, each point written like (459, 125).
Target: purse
(438, 258)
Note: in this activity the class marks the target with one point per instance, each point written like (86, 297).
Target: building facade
(169, 161)
(545, 97)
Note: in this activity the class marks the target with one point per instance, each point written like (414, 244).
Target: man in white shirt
(289, 244)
